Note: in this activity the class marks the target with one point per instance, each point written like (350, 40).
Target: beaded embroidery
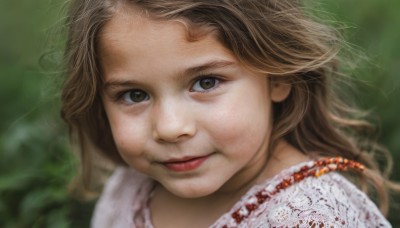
(312, 169)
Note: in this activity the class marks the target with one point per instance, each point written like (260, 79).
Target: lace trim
(315, 168)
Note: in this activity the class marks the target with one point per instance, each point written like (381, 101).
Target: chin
(191, 191)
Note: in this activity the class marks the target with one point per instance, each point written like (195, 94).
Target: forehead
(138, 29)
(141, 41)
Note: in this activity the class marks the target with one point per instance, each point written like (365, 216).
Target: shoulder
(328, 201)
(121, 194)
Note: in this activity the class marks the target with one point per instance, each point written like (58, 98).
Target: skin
(174, 116)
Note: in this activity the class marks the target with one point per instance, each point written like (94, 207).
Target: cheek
(129, 135)
(131, 145)
(242, 124)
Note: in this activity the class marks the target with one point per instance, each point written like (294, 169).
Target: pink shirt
(330, 200)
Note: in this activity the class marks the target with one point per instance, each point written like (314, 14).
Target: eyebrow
(215, 64)
(115, 83)
(208, 66)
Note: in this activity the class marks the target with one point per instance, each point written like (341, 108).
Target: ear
(280, 89)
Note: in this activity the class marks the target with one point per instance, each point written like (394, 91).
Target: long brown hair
(275, 37)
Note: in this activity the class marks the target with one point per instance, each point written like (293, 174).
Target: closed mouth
(185, 163)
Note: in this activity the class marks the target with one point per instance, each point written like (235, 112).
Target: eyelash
(216, 78)
(119, 97)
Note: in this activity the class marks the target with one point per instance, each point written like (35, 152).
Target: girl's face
(187, 114)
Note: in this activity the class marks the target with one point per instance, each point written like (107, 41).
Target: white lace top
(327, 201)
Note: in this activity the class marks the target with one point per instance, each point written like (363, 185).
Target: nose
(173, 122)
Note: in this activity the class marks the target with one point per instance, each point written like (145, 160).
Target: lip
(185, 164)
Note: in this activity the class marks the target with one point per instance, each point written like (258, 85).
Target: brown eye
(135, 96)
(205, 84)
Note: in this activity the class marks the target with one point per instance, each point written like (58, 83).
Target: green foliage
(35, 162)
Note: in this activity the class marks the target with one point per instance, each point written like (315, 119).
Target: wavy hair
(276, 37)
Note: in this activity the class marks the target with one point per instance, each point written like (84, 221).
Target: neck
(197, 212)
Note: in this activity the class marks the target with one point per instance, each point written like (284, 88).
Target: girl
(217, 114)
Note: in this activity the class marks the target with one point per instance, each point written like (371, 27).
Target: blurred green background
(35, 162)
